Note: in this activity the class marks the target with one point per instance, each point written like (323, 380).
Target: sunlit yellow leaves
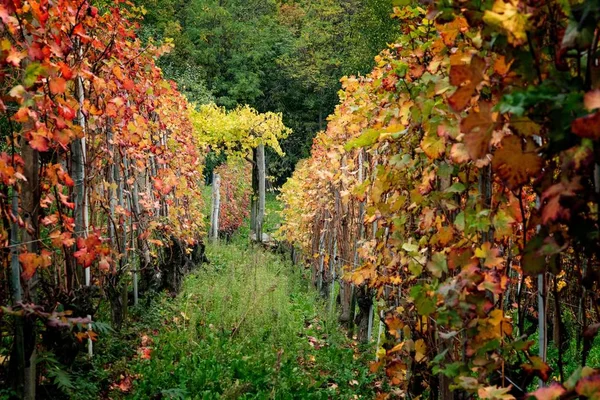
(495, 393)
(433, 145)
(238, 131)
(490, 255)
(510, 18)
(496, 326)
(364, 274)
(516, 162)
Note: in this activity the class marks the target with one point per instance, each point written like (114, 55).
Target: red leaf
(39, 142)
(66, 112)
(587, 127)
(65, 70)
(85, 257)
(36, 52)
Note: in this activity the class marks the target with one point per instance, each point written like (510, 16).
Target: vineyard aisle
(244, 326)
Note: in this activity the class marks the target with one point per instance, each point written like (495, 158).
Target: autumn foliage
(98, 164)
(458, 183)
(235, 191)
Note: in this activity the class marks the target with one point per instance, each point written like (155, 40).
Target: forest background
(274, 55)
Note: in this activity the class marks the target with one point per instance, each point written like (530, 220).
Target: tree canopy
(275, 55)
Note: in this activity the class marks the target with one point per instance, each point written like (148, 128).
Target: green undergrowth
(246, 326)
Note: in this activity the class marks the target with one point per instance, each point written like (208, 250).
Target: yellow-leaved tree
(242, 133)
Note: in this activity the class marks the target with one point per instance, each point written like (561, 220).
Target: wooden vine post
(216, 207)
(261, 195)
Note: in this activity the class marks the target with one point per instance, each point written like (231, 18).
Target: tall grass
(247, 326)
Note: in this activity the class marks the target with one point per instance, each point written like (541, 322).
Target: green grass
(272, 213)
(246, 326)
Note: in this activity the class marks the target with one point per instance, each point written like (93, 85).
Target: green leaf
(425, 304)
(410, 247)
(456, 188)
(438, 265)
(61, 378)
(32, 72)
(369, 137)
(459, 221)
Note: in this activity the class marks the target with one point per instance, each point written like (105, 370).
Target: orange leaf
(478, 127)
(58, 85)
(39, 141)
(467, 77)
(514, 165)
(30, 262)
(490, 255)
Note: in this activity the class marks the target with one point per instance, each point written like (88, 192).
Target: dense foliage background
(274, 55)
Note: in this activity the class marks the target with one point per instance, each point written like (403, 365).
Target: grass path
(247, 327)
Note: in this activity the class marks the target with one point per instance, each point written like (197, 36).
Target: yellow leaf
(420, 350)
(508, 17)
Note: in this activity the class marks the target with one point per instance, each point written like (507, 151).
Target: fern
(61, 378)
(102, 327)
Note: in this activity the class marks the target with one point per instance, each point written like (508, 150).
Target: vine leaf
(515, 166)
(450, 31)
(495, 393)
(433, 145)
(587, 126)
(58, 85)
(467, 77)
(551, 200)
(537, 367)
(478, 127)
(30, 262)
(589, 386)
(461, 259)
(552, 392)
(509, 18)
(490, 255)
(437, 265)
